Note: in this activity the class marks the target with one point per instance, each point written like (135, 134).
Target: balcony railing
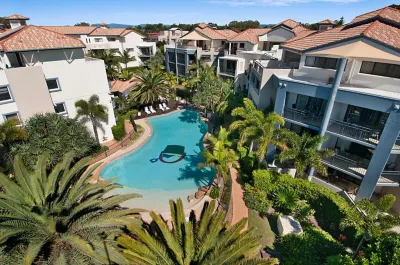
(227, 71)
(304, 116)
(354, 131)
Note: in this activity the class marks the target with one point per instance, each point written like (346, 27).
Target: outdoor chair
(165, 106)
(147, 110)
(152, 110)
(161, 107)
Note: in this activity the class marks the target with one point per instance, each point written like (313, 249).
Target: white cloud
(273, 2)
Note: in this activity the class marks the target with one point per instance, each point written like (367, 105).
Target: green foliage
(125, 58)
(157, 61)
(11, 133)
(91, 110)
(111, 60)
(82, 24)
(227, 194)
(56, 135)
(312, 247)
(60, 217)
(214, 194)
(118, 130)
(285, 200)
(342, 260)
(303, 212)
(207, 241)
(243, 25)
(256, 199)
(385, 249)
(263, 180)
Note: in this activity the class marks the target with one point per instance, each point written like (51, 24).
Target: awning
(357, 49)
(194, 35)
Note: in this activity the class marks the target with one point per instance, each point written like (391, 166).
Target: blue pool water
(142, 169)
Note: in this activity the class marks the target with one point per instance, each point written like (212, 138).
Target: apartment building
(256, 44)
(346, 87)
(102, 38)
(203, 43)
(45, 71)
(167, 36)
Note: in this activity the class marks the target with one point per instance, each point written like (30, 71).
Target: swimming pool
(143, 170)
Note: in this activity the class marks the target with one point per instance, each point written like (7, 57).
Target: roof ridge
(13, 36)
(64, 35)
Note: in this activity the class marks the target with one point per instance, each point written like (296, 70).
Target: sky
(134, 12)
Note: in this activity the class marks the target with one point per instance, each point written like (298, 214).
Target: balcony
(357, 168)
(145, 52)
(304, 117)
(98, 46)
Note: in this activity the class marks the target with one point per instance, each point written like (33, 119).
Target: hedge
(118, 130)
(312, 247)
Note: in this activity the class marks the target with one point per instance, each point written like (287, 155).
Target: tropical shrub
(56, 135)
(285, 200)
(118, 130)
(214, 194)
(256, 199)
(312, 247)
(303, 212)
(58, 216)
(344, 260)
(207, 241)
(385, 249)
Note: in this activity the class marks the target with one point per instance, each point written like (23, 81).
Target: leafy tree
(395, 6)
(254, 125)
(303, 151)
(82, 24)
(339, 22)
(243, 25)
(370, 218)
(125, 58)
(56, 135)
(59, 217)
(4, 22)
(91, 110)
(111, 60)
(207, 241)
(385, 249)
(231, 101)
(157, 61)
(153, 85)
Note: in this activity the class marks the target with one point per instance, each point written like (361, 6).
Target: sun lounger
(147, 111)
(139, 114)
(165, 106)
(161, 107)
(152, 110)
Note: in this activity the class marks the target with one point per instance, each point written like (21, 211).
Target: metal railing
(227, 71)
(353, 131)
(390, 177)
(346, 164)
(304, 116)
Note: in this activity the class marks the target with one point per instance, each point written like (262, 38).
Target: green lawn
(263, 228)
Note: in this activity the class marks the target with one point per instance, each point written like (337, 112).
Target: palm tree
(125, 58)
(153, 85)
(303, 150)
(112, 62)
(207, 241)
(370, 218)
(60, 217)
(125, 74)
(255, 125)
(223, 137)
(231, 101)
(93, 111)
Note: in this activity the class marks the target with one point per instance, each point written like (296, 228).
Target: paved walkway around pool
(239, 208)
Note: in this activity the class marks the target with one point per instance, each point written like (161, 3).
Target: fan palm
(207, 241)
(153, 85)
(303, 150)
(92, 111)
(255, 125)
(125, 58)
(60, 217)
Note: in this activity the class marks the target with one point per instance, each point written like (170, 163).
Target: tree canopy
(82, 24)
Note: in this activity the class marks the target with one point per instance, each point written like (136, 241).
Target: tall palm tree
(93, 111)
(223, 137)
(303, 151)
(255, 125)
(125, 58)
(153, 85)
(59, 217)
(207, 241)
(231, 101)
(112, 62)
(370, 218)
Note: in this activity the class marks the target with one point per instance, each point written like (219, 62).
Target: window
(60, 108)
(5, 94)
(10, 116)
(222, 43)
(111, 39)
(321, 62)
(129, 49)
(98, 40)
(241, 45)
(52, 85)
(381, 69)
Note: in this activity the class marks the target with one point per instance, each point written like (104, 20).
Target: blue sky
(67, 12)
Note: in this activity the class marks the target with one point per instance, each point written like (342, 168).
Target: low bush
(303, 212)
(256, 199)
(312, 247)
(384, 249)
(214, 194)
(118, 130)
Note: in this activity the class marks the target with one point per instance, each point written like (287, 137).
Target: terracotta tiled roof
(226, 32)
(377, 30)
(37, 38)
(71, 30)
(298, 29)
(10, 31)
(211, 33)
(327, 21)
(202, 25)
(16, 16)
(107, 32)
(301, 35)
(290, 23)
(122, 86)
(387, 13)
(250, 35)
(153, 33)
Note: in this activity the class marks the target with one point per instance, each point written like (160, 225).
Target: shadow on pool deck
(189, 116)
(201, 176)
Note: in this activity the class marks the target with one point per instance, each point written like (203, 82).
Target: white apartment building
(254, 44)
(44, 71)
(346, 86)
(167, 36)
(111, 39)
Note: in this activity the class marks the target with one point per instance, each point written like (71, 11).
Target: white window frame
(10, 113)
(9, 92)
(54, 89)
(97, 40)
(65, 108)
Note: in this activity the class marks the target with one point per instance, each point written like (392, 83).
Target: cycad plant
(303, 151)
(207, 241)
(58, 216)
(286, 200)
(255, 126)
